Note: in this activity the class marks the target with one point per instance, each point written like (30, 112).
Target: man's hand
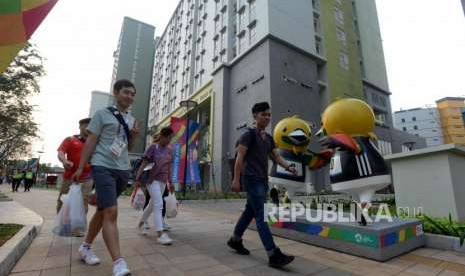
(291, 168)
(170, 187)
(68, 164)
(77, 174)
(135, 129)
(236, 185)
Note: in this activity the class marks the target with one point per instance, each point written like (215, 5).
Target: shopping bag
(171, 206)
(72, 216)
(137, 199)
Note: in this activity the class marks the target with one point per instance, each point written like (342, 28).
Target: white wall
(431, 189)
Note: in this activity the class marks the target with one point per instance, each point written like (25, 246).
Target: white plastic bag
(72, 216)
(137, 199)
(171, 206)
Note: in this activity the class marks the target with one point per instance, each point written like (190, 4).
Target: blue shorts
(109, 184)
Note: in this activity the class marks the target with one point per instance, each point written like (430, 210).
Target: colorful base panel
(370, 240)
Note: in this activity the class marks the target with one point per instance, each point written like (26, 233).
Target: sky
(423, 40)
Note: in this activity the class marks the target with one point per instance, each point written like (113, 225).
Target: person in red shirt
(69, 154)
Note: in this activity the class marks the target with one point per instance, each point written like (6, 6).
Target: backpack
(251, 144)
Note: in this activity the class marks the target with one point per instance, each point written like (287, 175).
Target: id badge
(117, 147)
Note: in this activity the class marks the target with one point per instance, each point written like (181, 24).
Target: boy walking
(112, 131)
(69, 154)
(254, 148)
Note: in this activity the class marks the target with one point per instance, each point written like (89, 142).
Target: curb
(14, 249)
(202, 201)
(443, 243)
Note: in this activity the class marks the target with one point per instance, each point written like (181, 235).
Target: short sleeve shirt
(107, 128)
(162, 158)
(258, 151)
(72, 147)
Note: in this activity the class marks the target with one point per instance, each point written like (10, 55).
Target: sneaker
(165, 239)
(78, 233)
(166, 226)
(238, 246)
(121, 268)
(88, 256)
(144, 228)
(278, 259)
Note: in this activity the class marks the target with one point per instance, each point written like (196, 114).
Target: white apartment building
(423, 122)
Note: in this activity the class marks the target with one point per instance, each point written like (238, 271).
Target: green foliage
(7, 231)
(444, 226)
(17, 84)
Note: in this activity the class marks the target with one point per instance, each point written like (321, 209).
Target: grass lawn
(7, 231)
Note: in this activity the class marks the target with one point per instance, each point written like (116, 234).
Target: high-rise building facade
(133, 60)
(99, 100)
(423, 122)
(298, 55)
(451, 113)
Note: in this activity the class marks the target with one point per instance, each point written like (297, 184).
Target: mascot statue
(357, 167)
(292, 136)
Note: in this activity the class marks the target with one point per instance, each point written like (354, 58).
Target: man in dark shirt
(255, 146)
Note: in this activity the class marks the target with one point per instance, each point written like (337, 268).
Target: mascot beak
(298, 136)
(321, 132)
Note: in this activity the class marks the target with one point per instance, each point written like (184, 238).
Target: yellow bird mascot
(292, 137)
(357, 167)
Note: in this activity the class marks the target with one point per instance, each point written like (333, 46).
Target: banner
(18, 21)
(179, 127)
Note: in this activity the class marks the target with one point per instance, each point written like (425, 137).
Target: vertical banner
(193, 168)
(179, 127)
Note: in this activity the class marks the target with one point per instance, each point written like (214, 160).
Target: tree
(17, 84)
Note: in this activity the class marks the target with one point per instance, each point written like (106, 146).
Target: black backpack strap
(253, 137)
(121, 120)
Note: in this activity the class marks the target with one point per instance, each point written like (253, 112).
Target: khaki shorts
(86, 189)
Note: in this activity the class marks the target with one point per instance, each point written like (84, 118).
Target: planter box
(443, 242)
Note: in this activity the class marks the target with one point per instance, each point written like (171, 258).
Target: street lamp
(189, 105)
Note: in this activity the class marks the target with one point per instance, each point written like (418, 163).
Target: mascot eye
(285, 129)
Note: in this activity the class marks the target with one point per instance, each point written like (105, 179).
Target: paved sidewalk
(200, 232)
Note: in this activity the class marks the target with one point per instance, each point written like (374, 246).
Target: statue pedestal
(379, 241)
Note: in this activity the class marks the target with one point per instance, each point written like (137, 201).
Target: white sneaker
(144, 228)
(88, 256)
(166, 226)
(121, 268)
(165, 239)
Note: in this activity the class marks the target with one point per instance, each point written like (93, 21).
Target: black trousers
(15, 184)
(28, 184)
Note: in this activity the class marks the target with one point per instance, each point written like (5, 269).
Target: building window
(339, 15)
(242, 18)
(252, 9)
(319, 46)
(216, 48)
(404, 129)
(223, 20)
(217, 25)
(403, 120)
(223, 40)
(415, 127)
(252, 34)
(241, 44)
(414, 119)
(317, 25)
(341, 36)
(344, 60)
